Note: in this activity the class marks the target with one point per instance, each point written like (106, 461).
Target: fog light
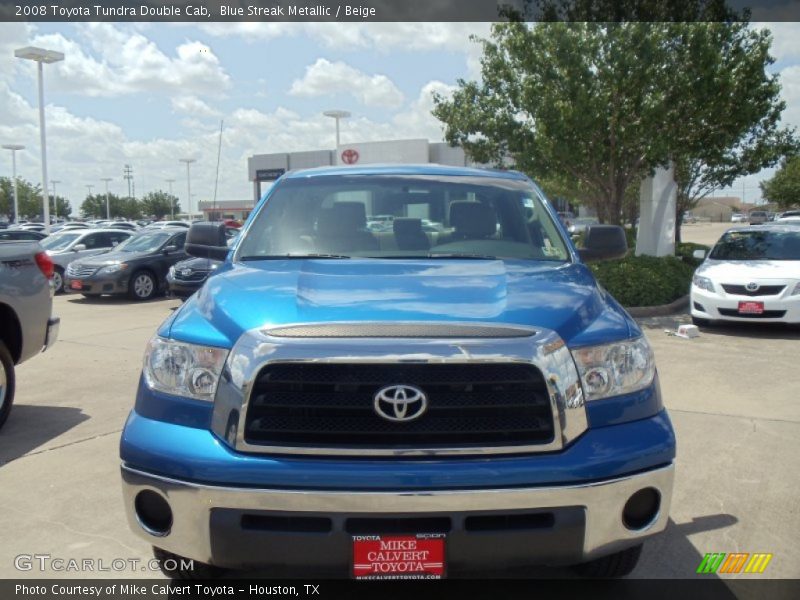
(641, 509)
(153, 512)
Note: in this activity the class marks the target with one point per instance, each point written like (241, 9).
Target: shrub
(685, 250)
(645, 280)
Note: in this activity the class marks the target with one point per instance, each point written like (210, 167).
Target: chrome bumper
(602, 501)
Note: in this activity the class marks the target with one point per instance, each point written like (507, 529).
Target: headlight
(107, 270)
(183, 369)
(796, 290)
(704, 283)
(171, 271)
(614, 369)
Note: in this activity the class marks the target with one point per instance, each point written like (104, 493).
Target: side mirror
(603, 242)
(207, 240)
(79, 247)
(699, 254)
(170, 249)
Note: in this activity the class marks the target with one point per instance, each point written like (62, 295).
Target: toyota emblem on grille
(186, 272)
(400, 402)
(752, 286)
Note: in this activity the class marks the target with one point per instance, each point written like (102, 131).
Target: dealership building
(266, 168)
(263, 169)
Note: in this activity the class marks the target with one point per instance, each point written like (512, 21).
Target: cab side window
(96, 240)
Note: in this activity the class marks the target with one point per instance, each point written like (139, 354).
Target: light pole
(188, 162)
(337, 114)
(55, 198)
(41, 56)
(171, 203)
(108, 205)
(14, 148)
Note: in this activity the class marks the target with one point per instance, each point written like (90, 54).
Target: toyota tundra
(408, 402)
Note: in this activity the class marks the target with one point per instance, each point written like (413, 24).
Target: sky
(148, 94)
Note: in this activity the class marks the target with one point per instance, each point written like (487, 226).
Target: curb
(659, 311)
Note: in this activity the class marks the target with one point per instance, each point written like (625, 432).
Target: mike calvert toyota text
(399, 372)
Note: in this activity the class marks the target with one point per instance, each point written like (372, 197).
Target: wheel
(700, 322)
(58, 280)
(611, 566)
(6, 383)
(143, 286)
(178, 567)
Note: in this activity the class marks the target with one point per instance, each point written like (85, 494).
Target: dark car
(21, 235)
(188, 276)
(137, 267)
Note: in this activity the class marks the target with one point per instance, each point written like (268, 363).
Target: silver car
(66, 246)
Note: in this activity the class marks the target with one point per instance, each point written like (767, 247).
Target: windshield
(393, 216)
(59, 241)
(758, 245)
(146, 242)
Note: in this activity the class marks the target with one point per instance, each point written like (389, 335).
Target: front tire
(143, 286)
(6, 383)
(58, 280)
(612, 566)
(175, 567)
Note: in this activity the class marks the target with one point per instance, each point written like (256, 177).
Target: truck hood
(262, 294)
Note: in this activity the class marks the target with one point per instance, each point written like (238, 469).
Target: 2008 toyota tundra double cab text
(443, 390)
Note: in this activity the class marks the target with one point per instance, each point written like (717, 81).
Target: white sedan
(749, 275)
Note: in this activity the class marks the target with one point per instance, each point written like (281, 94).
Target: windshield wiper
(284, 256)
(461, 255)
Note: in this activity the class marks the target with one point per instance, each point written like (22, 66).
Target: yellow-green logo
(734, 562)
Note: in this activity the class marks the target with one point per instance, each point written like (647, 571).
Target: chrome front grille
(320, 396)
(74, 270)
(764, 290)
(191, 275)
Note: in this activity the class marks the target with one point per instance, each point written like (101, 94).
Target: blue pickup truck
(399, 402)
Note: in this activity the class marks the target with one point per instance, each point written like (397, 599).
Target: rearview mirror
(79, 247)
(170, 249)
(207, 240)
(699, 254)
(603, 242)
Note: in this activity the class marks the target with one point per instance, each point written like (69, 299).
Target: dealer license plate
(76, 285)
(751, 308)
(418, 556)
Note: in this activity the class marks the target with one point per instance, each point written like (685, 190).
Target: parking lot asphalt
(731, 393)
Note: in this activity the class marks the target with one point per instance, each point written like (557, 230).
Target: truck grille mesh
(332, 405)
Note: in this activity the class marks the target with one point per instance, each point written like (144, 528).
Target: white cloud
(123, 61)
(325, 78)
(785, 39)
(382, 37)
(193, 106)
(417, 119)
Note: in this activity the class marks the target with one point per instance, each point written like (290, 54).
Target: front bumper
(209, 523)
(182, 289)
(98, 284)
(784, 308)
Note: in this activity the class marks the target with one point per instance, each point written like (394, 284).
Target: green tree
(30, 198)
(784, 187)
(160, 204)
(59, 206)
(604, 103)
(95, 206)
